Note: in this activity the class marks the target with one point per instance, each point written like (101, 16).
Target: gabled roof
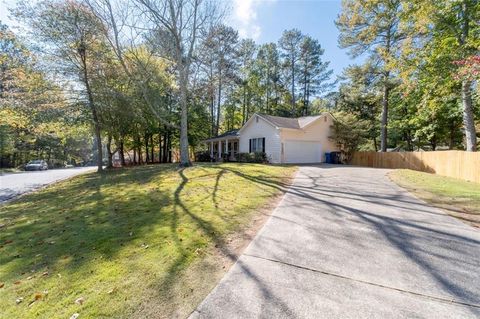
(281, 122)
(297, 123)
(288, 122)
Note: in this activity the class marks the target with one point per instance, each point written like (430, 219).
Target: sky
(265, 20)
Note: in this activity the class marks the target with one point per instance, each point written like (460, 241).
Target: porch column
(211, 149)
(219, 150)
(226, 147)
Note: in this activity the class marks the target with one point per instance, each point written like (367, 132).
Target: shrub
(257, 157)
(349, 133)
(203, 156)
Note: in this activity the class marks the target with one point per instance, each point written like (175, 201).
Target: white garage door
(302, 152)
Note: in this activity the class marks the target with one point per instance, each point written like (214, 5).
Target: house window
(257, 145)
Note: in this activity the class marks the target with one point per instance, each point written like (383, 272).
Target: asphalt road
(14, 184)
(346, 242)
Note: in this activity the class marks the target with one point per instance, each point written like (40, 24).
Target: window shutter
(263, 145)
(250, 145)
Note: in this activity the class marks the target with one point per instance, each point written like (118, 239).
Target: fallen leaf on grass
(74, 316)
(19, 300)
(2, 284)
(80, 301)
(45, 273)
(18, 282)
(111, 291)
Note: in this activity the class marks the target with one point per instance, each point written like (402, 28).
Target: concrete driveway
(14, 184)
(345, 242)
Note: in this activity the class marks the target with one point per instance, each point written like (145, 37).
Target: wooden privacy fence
(458, 164)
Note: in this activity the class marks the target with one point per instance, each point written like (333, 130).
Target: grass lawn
(150, 241)
(457, 197)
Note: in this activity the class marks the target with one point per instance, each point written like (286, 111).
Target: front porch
(224, 147)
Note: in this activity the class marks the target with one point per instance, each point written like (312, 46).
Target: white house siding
(319, 131)
(258, 129)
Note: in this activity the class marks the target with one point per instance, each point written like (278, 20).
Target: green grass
(458, 197)
(126, 239)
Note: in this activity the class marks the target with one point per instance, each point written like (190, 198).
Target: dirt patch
(194, 283)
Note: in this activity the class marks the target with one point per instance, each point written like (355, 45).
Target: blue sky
(265, 20)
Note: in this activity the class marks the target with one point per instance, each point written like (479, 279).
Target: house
(284, 140)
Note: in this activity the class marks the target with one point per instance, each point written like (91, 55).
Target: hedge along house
(284, 140)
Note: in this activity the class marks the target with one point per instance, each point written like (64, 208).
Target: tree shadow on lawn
(76, 224)
(68, 226)
(218, 238)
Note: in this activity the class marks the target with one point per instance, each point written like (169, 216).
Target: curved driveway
(14, 184)
(346, 242)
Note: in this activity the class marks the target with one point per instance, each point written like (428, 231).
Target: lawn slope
(458, 198)
(139, 242)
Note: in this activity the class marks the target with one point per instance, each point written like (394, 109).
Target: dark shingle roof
(228, 133)
(232, 133)
(287, 122)
(284, 122)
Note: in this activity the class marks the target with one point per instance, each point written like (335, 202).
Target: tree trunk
(184, 156)
(96, 122)
(139, 150)
(165, 147)
(152, 149)
(305, 101)
(169, 148)
(219, 99)
(248, 103)
(468, 117)
(212, 102)
(383, 129)
(121, 152)
(147, 151)
(293, 87)
(109, 152)
(140, 155)
(244, 113)
(267, 91)
(159, 147)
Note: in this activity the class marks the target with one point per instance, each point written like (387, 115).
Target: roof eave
(216, 139)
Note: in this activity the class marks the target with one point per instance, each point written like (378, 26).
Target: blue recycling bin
(328, 158)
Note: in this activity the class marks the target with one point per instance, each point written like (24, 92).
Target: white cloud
(245, 18)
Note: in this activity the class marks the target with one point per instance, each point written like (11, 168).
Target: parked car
(36, 165)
